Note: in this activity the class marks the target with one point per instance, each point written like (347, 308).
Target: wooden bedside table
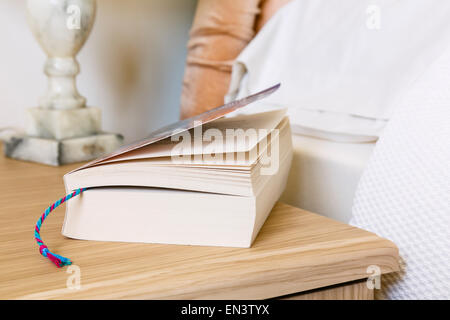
(297, 253)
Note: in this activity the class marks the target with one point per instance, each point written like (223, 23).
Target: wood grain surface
(357, 290)
(294, 252)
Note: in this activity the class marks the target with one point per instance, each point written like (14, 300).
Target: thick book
(209, 180)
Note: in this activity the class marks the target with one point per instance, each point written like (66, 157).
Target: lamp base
(62, 124)
(59, 152)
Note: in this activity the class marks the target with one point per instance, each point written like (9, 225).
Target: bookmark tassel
(58, 260)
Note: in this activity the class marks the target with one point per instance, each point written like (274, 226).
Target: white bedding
(324, 175)
(404, 193)
(342, 81)
(341, 73)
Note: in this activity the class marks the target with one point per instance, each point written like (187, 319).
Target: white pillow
(343, 64)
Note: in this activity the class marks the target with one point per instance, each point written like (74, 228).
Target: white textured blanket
(404, 193)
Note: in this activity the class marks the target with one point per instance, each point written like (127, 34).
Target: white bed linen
(324, 175)
(341, 73)
(404, 193)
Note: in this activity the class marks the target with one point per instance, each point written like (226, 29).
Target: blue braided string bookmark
(58, 260)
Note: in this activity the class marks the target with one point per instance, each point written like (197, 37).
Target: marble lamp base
(58, 152)
(62, 124)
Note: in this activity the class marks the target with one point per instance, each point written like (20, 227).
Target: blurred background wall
(131, 66)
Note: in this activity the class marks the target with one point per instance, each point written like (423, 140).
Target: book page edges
(75, 180)
(186, 124)
(266, 120)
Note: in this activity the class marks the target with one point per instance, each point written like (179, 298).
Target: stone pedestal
(63, 124)
(59, 152)
(57, 137)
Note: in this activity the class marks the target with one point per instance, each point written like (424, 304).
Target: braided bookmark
(58, 260)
